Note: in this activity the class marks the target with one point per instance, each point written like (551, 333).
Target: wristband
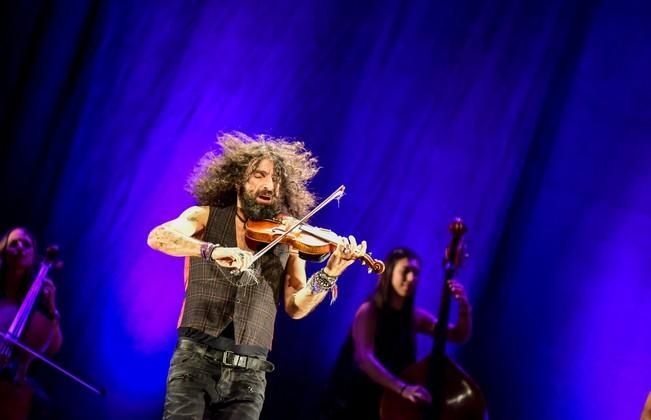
(206, 251)
(321, 282)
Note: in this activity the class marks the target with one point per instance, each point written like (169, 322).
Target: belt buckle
(231, 359)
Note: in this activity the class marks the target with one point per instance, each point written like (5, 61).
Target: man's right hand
(232, 257)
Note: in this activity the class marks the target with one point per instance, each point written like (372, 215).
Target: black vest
(213, 299)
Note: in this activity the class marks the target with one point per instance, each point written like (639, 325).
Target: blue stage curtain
(531, 120)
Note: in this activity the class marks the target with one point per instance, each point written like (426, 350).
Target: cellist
(18, 263)
(382, 342)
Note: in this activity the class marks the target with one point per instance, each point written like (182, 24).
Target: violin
(306, 239)
(454, 394)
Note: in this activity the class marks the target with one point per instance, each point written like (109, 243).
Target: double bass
(454, 394)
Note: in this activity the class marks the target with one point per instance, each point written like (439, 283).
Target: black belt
(226, 357)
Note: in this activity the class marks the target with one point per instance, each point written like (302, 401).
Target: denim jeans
(201, 388)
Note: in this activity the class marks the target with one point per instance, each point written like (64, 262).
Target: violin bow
(338, 193)
(12, 340)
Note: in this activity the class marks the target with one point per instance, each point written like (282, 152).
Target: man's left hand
(346, 253)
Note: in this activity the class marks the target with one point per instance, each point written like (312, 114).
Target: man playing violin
(226, 326)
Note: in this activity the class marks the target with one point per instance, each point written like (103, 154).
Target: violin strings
(241, 278)
(336, 195)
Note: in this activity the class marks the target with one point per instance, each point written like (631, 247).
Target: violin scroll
(375, 266)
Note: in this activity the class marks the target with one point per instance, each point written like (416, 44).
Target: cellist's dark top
(350, 393)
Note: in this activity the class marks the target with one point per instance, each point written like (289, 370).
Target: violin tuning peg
(369, 270)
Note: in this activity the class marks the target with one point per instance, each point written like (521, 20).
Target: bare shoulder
(196, 214)
(365, 313)
(195, 218)
(191, 221)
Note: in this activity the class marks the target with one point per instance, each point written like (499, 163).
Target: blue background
(531, 120)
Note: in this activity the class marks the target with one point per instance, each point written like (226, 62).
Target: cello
(35, 331)
(25, 334)
(454, 394)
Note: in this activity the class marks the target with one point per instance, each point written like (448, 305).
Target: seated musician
(18, 266)
(382, 342)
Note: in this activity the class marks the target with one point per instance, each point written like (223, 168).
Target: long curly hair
(218, 177)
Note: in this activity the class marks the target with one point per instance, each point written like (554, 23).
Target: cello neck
(20, 320)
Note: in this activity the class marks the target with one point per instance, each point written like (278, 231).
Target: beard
(257, 211)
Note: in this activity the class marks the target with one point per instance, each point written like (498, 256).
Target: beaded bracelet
(206, 251)
(326, 281)
(321, 282)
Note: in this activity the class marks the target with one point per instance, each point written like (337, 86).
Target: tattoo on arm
(175, 243)
(172, 240)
